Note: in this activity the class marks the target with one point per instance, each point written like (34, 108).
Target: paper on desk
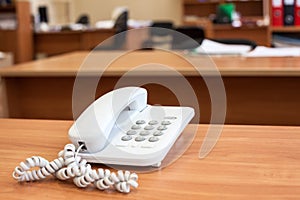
(106, 24)
(2, 55)
(139, 23)
(262, 51)
(211, 47)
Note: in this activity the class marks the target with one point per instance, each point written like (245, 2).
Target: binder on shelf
(297, 12)
(288, 10)
(277, 13)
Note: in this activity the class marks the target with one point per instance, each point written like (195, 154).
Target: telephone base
(146, 139)
(157, 165)
(120, 128)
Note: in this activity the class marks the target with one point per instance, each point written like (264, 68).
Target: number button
(140, 122)
(126, 138)
(165, 123)
(149, 127)
(139, 138)
(131, 132)
(144, 133)
(153, 122)
(158, 133)
(135, 127)
(170, 117)
(162, 128)
(153, 139)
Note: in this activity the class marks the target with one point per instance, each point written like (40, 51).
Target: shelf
(206, 8)
(285, 29)
(8, 8)
(19, 40)
(198, 2)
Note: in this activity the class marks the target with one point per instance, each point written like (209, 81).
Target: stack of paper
(262, 51)
(2, 55)
(211, 47)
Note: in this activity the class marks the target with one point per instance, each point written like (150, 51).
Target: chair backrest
(121, 22)
(237, 41)
(192, 38)
(120, 27)
(83, 19)
(159, 36)
(165, 25)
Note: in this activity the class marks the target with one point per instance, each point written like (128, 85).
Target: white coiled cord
(69, 165)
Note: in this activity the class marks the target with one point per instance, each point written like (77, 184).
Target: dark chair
(84, 20)
(237, 41)
(160, 36)
(118, 41)
(189, 37)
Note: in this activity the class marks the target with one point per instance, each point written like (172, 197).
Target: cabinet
(196, 12)
(18, 40)
(287, 31)
(203, 8)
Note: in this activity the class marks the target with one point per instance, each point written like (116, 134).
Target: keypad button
(153, 139)
(165, 123)
(153, 122)
(149, 127)
(158, 133)
(139, 138)
(148, 146)
(126, 138)
(131, 132)
(140, 122)
(135, 127)
(170, 117)
(144, 133)
(161, 128)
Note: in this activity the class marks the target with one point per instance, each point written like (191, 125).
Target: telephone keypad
(146, 134)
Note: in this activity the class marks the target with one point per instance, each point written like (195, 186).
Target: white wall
(138, 9)
(59, 11)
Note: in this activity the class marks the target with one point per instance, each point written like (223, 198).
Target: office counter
(53, 43)
(248, 162)
(258, 90)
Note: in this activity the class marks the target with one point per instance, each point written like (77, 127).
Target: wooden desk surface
(248, 162)
(68, 65)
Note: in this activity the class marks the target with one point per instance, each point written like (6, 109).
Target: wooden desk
(259, 90)
(53, 43)
(248, 162)
(260, 35)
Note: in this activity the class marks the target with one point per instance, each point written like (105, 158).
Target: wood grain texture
(69, 64)
(258, 90)
(248, 162)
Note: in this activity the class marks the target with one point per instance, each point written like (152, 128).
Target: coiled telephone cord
(69, 165)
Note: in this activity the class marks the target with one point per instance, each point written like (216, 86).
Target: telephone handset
(120, 128)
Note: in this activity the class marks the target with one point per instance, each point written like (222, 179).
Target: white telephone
(120, 128)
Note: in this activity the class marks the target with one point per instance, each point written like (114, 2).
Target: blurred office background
(67, 11)
(31, 29)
